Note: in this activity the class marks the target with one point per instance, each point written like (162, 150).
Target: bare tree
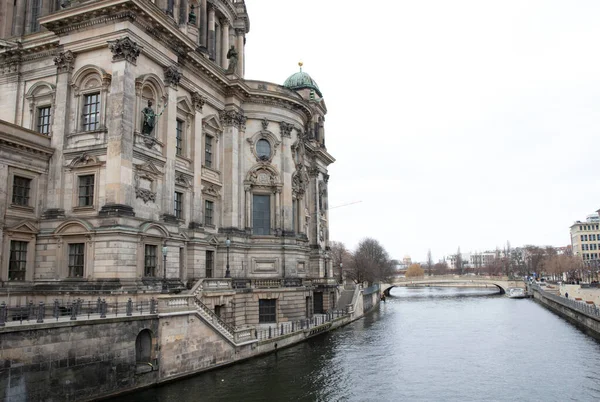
(459, 262)
(414, 270)
(429, 262)
(440, 268)
(340, 257)
(370, 263)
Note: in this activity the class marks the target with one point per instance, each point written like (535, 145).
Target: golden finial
(300, 64)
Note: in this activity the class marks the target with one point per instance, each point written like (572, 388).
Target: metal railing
(73, 310)
(215, 319)
(582, 307)
(286, 328)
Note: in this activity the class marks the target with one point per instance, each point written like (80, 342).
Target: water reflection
(426, 344)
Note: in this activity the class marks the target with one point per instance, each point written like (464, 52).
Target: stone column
(224, 43)
(240, 50)
(287, 202)
(19, 18)
(234, 124)
(203, 23)
(120, 123)
(172, 78)
(197, 141)
(64, 61)
(218, 44)
(211, 33)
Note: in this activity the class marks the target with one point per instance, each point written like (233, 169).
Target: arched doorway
(143, 347)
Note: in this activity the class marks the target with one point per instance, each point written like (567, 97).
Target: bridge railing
(285, 328)
(452, 277)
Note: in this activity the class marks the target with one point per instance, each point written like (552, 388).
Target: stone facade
(137, 136)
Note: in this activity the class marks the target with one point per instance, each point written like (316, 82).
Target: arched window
(143, 347)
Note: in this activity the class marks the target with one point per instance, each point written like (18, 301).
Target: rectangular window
(76, 260)
(43, 120)
(178, 205)
(91, 112)
(17, 261)
(208, 151)
(208, 212)
(267, 310)
(210, 263)
(150, 260)
(86, 190)
(261, 214)
(21, 187)
(179, 138)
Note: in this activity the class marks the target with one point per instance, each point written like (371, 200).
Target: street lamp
(227, 244)
(164, 282)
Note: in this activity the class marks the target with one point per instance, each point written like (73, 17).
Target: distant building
(585, 238)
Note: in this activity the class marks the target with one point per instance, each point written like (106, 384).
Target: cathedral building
(136, 159)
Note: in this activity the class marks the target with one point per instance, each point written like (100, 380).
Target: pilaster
(197, 141)
(224, 43)
(120, 122)
(211, 33)
(172, 78)
(241, 50)
(65, 62)
(234, 124)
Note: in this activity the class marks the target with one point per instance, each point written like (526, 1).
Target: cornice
(7, 140)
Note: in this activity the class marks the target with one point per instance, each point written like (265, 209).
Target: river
(425, 344)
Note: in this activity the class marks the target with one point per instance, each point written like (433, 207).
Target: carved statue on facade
(232, 56)
(150, 118)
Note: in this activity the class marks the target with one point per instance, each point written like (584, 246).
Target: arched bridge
(503, 283)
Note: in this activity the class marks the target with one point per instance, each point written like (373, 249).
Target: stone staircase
(345, 298)
(214, 320)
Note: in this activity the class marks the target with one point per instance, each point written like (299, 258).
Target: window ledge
(84, 209)
(206, 225)
(24, 208)
(184, 158)
(211, 169)
(81, 132)
(75, 279)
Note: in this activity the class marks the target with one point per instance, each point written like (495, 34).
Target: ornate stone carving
(198, 101)
(265, 124)
(233, 118)
(313, 172)
(124, 49)
(172, 76)
(262, 87)
(286, 129)
(84, 160)
(145, 195)
(182, 180)
(65, 61)
(211, 190)
(326, 177)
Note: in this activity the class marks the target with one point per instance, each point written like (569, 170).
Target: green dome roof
(301, 80)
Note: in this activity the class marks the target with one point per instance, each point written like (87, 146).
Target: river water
(426, 344)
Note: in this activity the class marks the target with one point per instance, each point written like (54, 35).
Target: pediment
(212, 240)
(185, 104)
(149, 168)
(24, 227)
(84, 160)
(213, 122)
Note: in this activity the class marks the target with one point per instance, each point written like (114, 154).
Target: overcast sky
(455, 123)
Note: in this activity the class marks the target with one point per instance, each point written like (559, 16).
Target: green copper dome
(301, 80)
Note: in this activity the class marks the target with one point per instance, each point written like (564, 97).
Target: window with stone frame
(17, 261)
(90, 117)
(179, 134)
(76, 260)
(86, 190)
(178, 201)
(43, 120)
(267, 311)
(20, 191)
(261, 214)
(208, 153)
(210, 263)
(150, 260)
(209, 208)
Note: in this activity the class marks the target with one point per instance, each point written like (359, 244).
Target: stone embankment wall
(588, 322)
(94, 358)
(585, 294)
(72, 360)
